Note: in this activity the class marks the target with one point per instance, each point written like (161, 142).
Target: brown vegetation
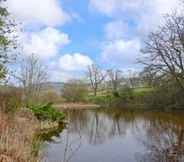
(11, 99)
(16, 137)
(75, 91)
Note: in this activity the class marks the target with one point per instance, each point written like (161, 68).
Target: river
(115, 135)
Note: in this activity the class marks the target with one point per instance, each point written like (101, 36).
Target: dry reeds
(16, 137)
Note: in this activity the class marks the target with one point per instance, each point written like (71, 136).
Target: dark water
(118, 136)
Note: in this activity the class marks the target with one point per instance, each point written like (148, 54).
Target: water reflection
(115, 135)
(164, 139)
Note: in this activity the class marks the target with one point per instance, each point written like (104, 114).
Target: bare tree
(133, 79)
(31, 76)
(96, 77)
(115, 79)
(164, 49)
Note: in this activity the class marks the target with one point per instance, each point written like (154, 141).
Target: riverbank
(17, 137)
(77, 106)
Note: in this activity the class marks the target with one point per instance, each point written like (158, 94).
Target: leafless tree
(96, 77)
(164, 49)
(115, 79)
(31, 76)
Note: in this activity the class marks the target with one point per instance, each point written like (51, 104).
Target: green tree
(6, 28)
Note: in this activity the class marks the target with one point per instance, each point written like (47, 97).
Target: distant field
(142, 89)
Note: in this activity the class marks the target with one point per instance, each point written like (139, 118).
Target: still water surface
(115, 135)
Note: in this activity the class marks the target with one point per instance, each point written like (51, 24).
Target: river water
(114, 135)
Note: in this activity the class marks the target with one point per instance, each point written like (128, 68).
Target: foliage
(126, 94)
(75, 91)
(6, 27)
(166, 96)
(47, 112)
(101, 100)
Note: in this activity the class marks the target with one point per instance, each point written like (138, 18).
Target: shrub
(75, 91)
(126, 94)
(47, 112)
(50, 96)
(105, 100)
(166, 96)
(11, 99)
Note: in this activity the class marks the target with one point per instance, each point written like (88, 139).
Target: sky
(69, 35)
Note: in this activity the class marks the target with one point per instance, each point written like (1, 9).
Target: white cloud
(131, 21)
(116, 30)
(45, 43)
(120, 52)
(68, 66)
(74, 62)
(40, 12)
(147, 14)
(114, 7)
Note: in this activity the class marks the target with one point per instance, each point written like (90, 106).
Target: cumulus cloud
(40, 12)
(116, 30)
(45, 43)
(132, 7)
(146, 13)
(121, 53)
(74, 62)
(68, 66)
(131, 21)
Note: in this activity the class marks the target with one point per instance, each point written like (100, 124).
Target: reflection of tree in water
(164, 139)
(98, 126)
(161, 134)
(72, 146)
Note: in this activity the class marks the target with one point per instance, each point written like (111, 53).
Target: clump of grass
(16, 137)
(47, 112)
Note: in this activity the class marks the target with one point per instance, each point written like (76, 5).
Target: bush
(50, 96)
(75, 91)
(126, 94)
(166, 96)
(10, 99)
(104, 101)
(47, 112)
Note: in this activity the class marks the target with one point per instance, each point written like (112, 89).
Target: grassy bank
(127, 98)
(145, 98)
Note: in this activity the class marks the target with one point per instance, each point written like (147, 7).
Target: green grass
(47, 112)
(142, 91)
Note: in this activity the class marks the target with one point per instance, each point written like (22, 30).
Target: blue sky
(69, 35)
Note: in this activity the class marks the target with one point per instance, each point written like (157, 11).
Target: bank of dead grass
(16, 137)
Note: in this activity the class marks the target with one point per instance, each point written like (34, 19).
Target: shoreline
(76, 106)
